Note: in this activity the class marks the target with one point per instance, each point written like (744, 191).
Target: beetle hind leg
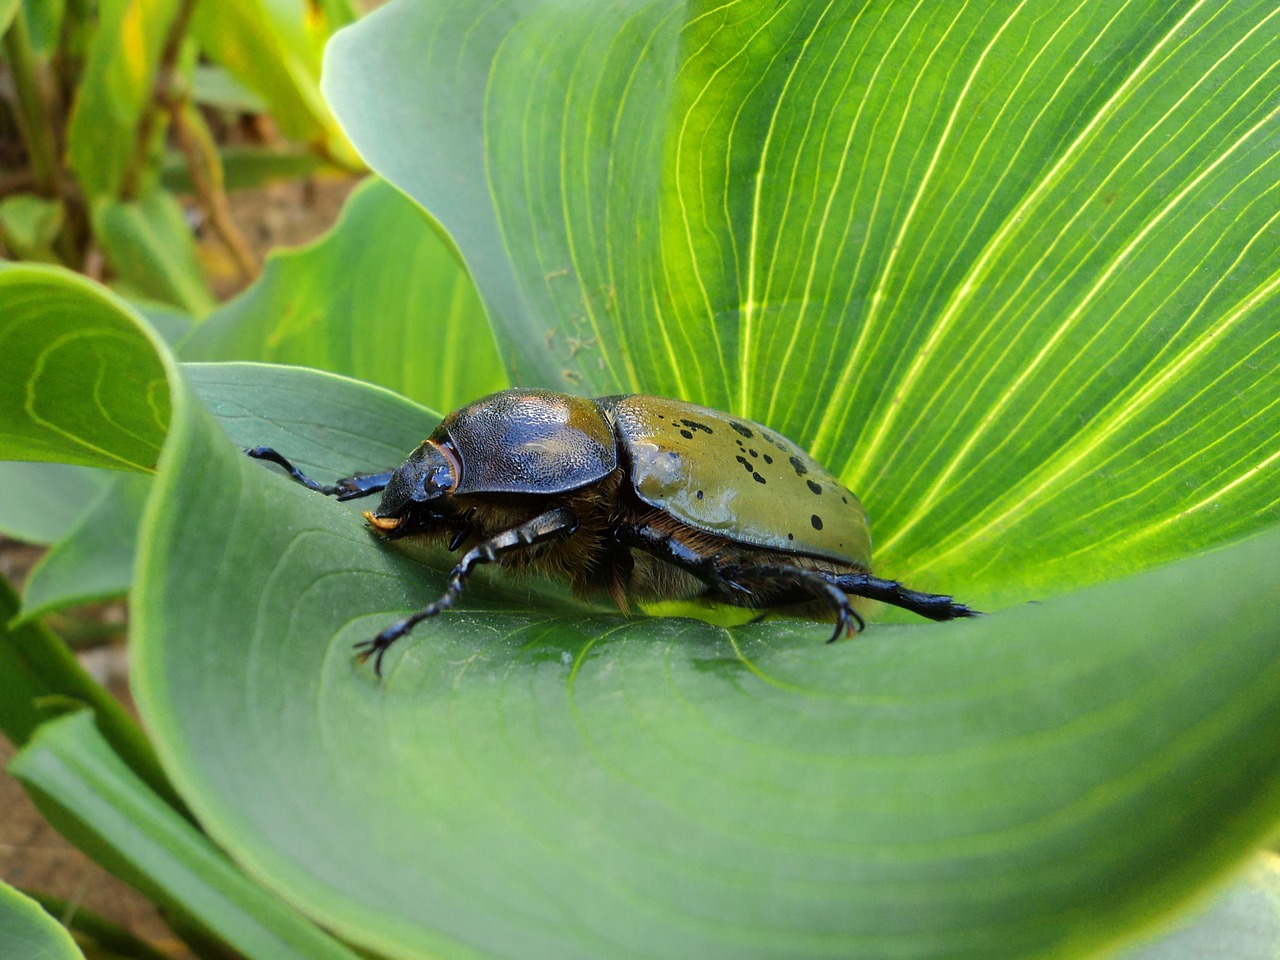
(795, 580)
(933, 606)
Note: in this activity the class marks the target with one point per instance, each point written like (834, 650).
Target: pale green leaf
(26, 931)
(80, 378)
(152, 250)
(407, 317)
(42, 502)
(94, 561)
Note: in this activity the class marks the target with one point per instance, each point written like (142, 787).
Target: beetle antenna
(348, 488)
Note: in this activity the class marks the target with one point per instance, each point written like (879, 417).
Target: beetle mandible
(640, 497)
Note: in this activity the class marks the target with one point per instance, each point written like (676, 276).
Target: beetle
(641, 497)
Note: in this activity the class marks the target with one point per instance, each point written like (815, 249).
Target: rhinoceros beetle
(640, 497)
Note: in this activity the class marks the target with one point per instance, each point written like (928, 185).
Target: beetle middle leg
(558, 522)
(346, 488)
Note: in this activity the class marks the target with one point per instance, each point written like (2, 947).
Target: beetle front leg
(560, 522)
(347, 488)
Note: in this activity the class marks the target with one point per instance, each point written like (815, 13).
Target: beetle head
(430, 472)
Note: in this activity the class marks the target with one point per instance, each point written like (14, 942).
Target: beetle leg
(934, 606)
(560, 522)
(811, 582)
(347, 488)
(662, 545)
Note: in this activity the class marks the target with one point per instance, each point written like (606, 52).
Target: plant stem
(33, 117)
(205, 170)
(160, 96)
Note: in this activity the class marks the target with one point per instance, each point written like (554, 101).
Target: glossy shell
(529, 441)
(737, 479)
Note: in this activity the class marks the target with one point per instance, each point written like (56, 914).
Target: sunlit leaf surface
(1007, 268)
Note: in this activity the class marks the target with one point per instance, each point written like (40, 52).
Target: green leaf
(29, 225)
(116, 88)
(408, 318)
(567, 785)
(80, 378)
(92, 797)
(274, 50)
(95, 560)
(7, 9)
(152, 250)
(41, 679)
(1006, 268)
(28, 932)
(42, 502)
(1242, 923)
(532, 779)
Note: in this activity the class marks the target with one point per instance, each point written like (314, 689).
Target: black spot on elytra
(815, 487)
(816, 521)
(798, 465)
(744, 431)
(753, 453)
(695, 425)
(844, 499)
(791, 536)
(744, 461)
(686, 434)
(699, 494)
(757, 478)
(768, 459)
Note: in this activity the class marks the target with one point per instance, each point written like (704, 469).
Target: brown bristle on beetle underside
(583, 559)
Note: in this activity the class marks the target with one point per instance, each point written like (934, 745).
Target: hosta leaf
(43, 502)
(1242, 923)
(80, 378)
(1006, 268)
(554, 784)
(95, 560)
(26, 930)
(533, 780)
(407, 318)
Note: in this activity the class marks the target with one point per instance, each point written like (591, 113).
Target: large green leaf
(531, 779)
(28, 932)
(1009, 269)
(381, 297)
